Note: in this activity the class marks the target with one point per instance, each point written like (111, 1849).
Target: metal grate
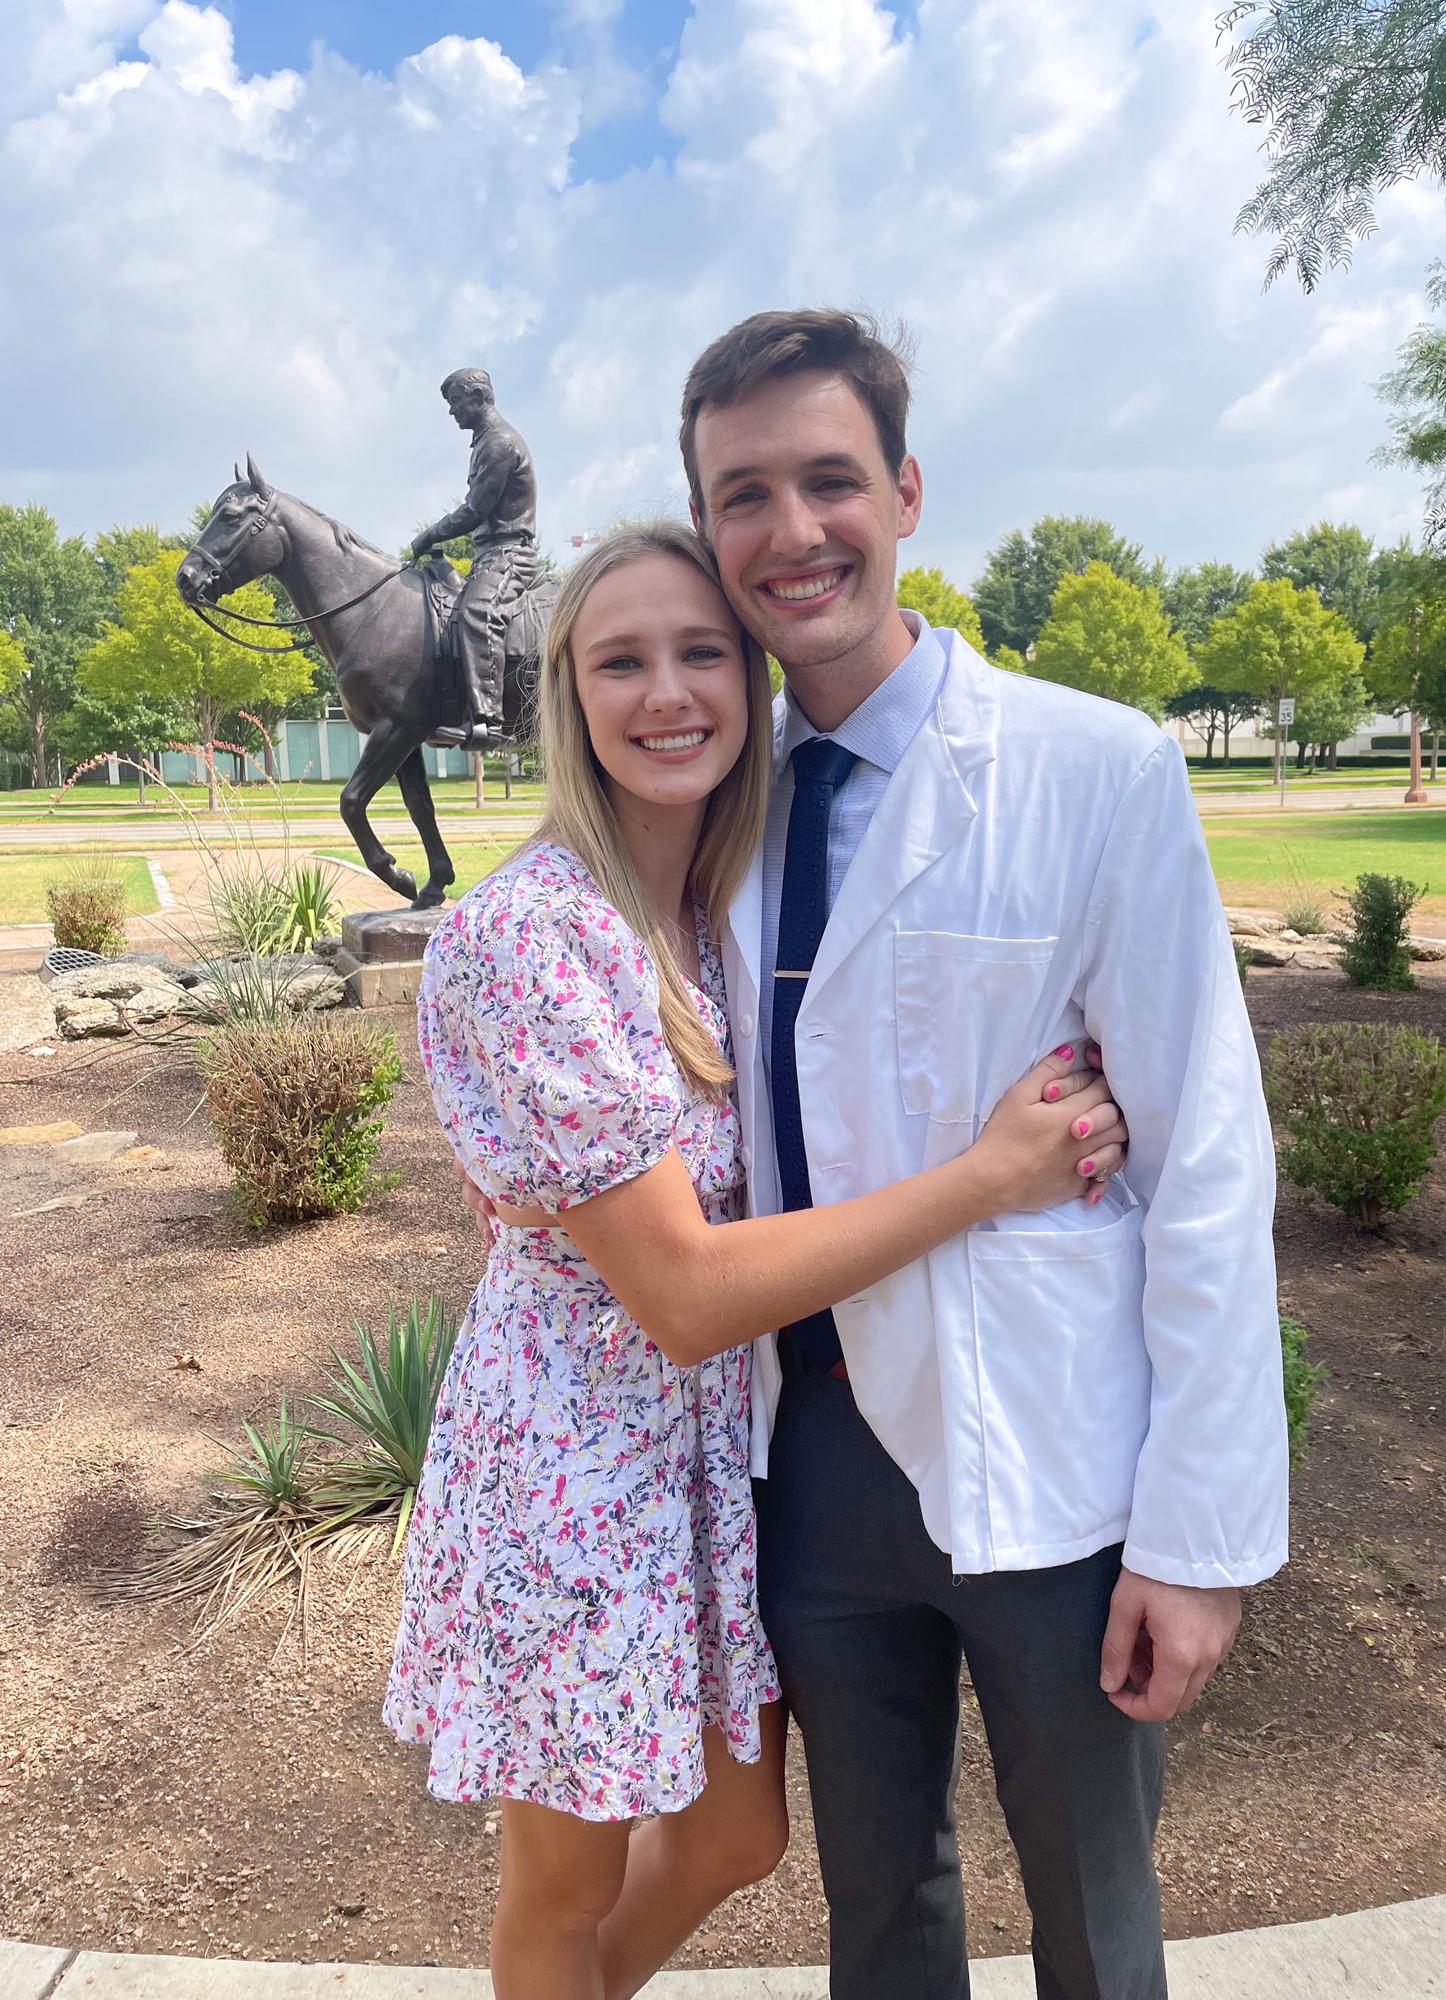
(67, 958)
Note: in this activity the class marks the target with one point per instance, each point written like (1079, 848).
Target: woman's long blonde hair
(580, 816)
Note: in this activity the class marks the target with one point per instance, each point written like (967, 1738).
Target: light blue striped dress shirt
(878, 732)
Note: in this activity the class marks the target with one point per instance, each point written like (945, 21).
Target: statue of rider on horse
(420, 655)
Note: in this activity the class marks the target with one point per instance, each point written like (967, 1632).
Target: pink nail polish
(1082, 1130)
(1052, 1092)
(1087, 1168)
(1066, 1054)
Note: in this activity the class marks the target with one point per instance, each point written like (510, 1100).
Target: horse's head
(242, 540)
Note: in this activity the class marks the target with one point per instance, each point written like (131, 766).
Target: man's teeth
(813, 586)
(688, 742)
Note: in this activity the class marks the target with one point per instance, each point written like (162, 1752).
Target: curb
(1396, 1953)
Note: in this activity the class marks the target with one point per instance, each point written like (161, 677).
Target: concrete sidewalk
(1397, 1953)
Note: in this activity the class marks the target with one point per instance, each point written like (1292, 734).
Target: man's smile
(806, 588)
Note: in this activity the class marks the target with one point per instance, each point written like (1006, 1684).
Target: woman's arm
(698, 1288)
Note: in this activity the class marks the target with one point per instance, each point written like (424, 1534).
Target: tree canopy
(159, 650)
(1337, 562)
(1195, 596)
(1352, 95)
(1212, 709)
(1329, 714)
(1014, 595)
(1280, 642)
(938, 602)
(1112, 638)
(1416, 390)
(52, 604)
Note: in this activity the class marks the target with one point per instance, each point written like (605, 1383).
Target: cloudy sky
(275, 224)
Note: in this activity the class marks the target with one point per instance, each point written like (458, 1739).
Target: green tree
(1194, 597)
(1112, 638)
(1280, 642)
(1352, 95)
(930, 593)
(1015, 593)
(12, 662)
(52, 604)
(1337, 562)
(159, 649)
(1416, 390)
(1212, 709)
(1326, 717)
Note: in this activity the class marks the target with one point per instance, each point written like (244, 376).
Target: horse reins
(220, 564)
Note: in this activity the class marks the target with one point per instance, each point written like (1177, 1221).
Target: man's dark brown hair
(786, 343)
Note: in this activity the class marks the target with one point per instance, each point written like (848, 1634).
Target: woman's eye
(704, 655)
(622, 664)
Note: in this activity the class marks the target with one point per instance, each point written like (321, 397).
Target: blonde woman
(580, 1635)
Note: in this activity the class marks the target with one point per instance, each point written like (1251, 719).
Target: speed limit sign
(1287, 709)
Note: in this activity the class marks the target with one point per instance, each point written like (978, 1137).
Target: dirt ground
(227, 1802)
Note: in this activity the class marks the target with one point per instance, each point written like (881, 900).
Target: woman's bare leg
(560, 1878)
(682, 1865)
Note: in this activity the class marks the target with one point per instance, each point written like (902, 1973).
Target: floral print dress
(579, 1596)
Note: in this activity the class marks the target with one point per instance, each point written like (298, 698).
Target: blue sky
(276, 224)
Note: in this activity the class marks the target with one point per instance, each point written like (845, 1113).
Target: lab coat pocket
(1064, 1376)
(963, 1009)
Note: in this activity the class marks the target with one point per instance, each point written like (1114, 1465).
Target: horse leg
(385, 752)
(417, 798)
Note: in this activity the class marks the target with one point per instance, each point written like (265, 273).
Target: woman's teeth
(813, 586)
(689, 742)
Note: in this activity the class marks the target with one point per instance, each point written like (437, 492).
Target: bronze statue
(500, 514)
(387, 628)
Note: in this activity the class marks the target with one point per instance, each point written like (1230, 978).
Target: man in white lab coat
(1055, 1450)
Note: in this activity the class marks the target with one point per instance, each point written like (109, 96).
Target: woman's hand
(1057, 1133)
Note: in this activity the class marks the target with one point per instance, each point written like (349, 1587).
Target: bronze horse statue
(380, 625)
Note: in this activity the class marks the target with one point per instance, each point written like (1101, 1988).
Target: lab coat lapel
(925, 809)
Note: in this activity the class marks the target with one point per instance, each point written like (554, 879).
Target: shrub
(1359, 1105)
(295, 1105)
(1302, 1385)
(1301, 908)
(88, 906)
(1375, 949)
(1242, 958)
(268, 914)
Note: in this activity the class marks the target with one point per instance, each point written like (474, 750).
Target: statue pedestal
(381, 954)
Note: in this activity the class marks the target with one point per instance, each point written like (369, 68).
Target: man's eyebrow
(819, 464)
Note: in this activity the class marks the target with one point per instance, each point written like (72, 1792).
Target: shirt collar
(881, 729)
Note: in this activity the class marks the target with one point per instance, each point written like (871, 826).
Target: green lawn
(24, 879)
(1256, 861)
(118, 802)
(470, 862)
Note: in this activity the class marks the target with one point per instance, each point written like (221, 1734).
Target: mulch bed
(225, 1802)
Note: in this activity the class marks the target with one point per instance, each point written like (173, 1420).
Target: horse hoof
(431, 898)
(405, 885)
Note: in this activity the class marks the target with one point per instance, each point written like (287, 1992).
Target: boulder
(79, 1017)
(1308, 960)
(111, 982)
(159, 959)
(1428, 951)
(155, 1003)
(1266, 951)
(309, 992)
(326, 949)
(93, 1149)
(1288, 936)
(1245, 926)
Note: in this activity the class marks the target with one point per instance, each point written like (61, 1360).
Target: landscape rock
(1315, 961)
(1242, 925)
(159, 959)
(38, 1135)
(326, 949)
(309, 992)
(1288, 936)
(155, 1003)
(78, 1018)
(1427, 951)
(1266, 951)
(110, 982)
(93, 1149)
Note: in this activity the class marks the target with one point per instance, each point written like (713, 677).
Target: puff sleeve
(538, 1026)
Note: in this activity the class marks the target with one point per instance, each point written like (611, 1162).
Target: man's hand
(1162, 1644)
(427, 539)
(483, 1209)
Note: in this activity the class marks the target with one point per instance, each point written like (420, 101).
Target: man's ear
(911, 496)
(700, 527)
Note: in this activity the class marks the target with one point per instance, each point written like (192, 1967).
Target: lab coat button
(745, 1024)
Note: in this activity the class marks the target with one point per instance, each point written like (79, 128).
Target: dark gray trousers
(870, 1627)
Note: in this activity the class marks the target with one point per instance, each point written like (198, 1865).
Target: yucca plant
(385, 1407)
(274, 1468)
(312, 908)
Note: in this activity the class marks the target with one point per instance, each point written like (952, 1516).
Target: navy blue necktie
(819, 768)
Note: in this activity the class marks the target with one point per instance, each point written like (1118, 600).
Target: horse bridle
(218, 564)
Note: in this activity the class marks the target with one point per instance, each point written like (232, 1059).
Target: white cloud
(201, 260)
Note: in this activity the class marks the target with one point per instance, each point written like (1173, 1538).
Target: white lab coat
(1051, 1383)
